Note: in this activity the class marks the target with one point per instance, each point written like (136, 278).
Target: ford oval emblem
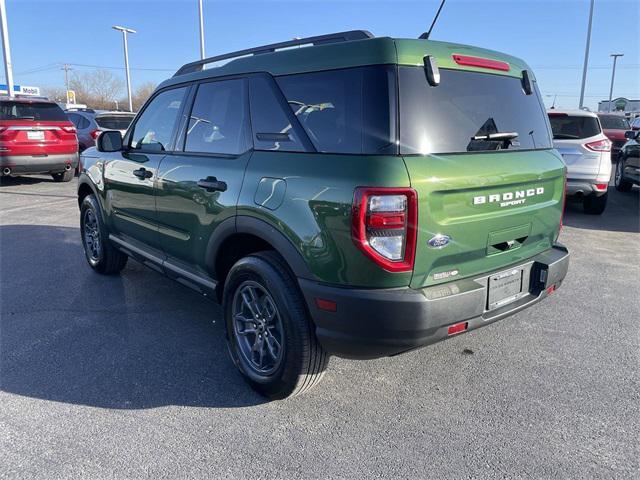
(439, 241)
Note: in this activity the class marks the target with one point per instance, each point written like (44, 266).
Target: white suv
(586, 152)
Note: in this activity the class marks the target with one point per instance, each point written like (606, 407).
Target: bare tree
(142, 93)
(57, 94)
(97, 89)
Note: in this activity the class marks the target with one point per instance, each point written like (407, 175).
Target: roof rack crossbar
(198, 65)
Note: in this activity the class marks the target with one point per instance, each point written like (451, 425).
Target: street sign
(21, 90)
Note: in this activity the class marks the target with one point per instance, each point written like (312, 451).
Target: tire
(300, 362)
(65, 176)
(622, 185)
(595, 205)
(100, 253)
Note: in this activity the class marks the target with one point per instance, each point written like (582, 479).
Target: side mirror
(631, 134)
(109, 141)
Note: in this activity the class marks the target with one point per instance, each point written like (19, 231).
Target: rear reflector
(551, 289)
(327, 305)
(601, 186)
(457, 328)
(481, 62)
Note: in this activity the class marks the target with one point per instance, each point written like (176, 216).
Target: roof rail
(198, 66)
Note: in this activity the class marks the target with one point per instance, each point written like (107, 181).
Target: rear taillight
(69, 129)
(603, 145)
(95, 134)
(564, 200)
(384, 222)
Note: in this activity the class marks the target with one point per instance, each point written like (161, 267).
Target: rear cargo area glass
(114, 122)
(573, 127)
(37, 111)
(445, 118)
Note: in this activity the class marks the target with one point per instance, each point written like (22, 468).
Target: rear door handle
(143, 173)
(212, 184)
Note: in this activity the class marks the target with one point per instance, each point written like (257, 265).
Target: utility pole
(586, 56)
(202, 56)
(124, 31)
(613, 76)
(6, 49)
(66, 67)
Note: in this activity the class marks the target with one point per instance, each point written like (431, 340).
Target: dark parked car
(614, 127)
(36, 137)
(90, 123)
(628, 167)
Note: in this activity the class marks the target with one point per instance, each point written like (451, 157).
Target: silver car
(586, 152)
(90, 123)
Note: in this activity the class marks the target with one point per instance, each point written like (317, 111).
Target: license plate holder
(35, 135)
(504, 287)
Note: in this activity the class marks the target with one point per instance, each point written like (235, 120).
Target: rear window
(38, 111)
(459, 114)
(572, 127)
(614, 122)
(114, 122)
(345, 111)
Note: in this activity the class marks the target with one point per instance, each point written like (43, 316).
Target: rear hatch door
(485, 203)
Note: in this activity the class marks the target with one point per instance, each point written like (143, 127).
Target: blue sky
(549, 35)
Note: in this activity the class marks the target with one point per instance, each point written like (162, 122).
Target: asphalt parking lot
(129, 376)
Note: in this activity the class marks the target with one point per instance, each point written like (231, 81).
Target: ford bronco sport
(359, 197)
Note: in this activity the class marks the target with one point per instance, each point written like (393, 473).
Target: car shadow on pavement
(26, 180)
(133, 341)
(621, 215)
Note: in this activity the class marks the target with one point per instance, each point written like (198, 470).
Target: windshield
(573, 127)
(114, 122)
(468, 112)
(38, 111)
(614, 122)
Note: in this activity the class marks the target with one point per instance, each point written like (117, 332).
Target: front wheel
(622, 185)
(595, 205)
(270, 336)
(65, 176)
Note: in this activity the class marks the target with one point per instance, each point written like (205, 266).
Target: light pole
(124, 31)
(613, 76)
(586, 56)
(6, 49)
(201, 30)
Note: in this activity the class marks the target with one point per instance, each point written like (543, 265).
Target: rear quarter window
(573, 127)
(36, 111)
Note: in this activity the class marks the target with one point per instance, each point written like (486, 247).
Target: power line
(55, 66)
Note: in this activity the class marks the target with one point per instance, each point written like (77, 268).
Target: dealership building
(631, 108)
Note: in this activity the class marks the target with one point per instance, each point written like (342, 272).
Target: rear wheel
(595, 205)
(270, 336)
(622, 185)
(65, 176)
(101, 255)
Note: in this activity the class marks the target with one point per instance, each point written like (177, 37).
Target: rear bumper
(32, 164)
(376, 323)
(584, 187)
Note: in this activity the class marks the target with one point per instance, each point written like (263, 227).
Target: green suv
(358, 197)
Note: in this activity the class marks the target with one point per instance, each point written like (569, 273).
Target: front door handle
(212, 184)
(143, 173)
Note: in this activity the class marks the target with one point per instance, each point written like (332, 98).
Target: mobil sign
(20, 90)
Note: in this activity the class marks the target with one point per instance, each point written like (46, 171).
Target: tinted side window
(75, 119)
(153, 130)
(569, 127)
(345, 111)
(272, 129)
(218, 121)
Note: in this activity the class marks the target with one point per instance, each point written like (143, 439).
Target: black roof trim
(198, 66)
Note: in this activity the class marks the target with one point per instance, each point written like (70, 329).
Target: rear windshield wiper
(26, 117)
(501, 136)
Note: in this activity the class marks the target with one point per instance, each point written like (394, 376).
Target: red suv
(614, 127)
(36, 137)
